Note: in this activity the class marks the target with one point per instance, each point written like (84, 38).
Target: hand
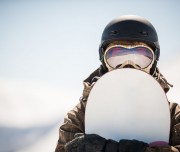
(132, 146)
(86, 143)
(96, 143)
(158, 144)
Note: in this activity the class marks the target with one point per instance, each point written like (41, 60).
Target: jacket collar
(158, 76)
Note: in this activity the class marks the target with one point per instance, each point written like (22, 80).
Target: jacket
(74, 120)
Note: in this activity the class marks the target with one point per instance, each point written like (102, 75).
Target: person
(127, 42)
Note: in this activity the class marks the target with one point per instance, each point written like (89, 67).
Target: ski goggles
(139, 56)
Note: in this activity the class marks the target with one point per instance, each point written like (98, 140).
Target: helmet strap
(153, 69)
(103, 68)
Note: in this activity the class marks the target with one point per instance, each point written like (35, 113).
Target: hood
(162, 80)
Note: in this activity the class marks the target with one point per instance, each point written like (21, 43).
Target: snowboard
(128, 104)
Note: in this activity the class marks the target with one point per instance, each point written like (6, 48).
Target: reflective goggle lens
(141, 56)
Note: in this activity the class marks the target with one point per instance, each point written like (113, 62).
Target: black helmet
(130, 28)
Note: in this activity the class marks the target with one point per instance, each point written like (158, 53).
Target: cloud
(24, 104)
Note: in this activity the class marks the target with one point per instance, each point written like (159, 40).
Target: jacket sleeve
(74, 121)
(174, 141)
(175, 125)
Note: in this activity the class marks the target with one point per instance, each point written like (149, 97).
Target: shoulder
(175, 112)
(94, 76)
(90, 81)
(174, 107)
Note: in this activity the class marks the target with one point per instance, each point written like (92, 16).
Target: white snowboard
(128, 104)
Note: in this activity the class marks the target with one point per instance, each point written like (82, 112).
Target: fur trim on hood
(162, 80)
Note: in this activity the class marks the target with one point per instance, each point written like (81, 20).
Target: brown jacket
(74, 120)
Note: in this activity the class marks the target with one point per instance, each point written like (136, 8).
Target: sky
(47, 48)
(48, 41)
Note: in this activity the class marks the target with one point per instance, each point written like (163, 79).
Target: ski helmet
(130, 28)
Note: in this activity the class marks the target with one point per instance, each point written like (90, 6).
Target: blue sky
(57, 42)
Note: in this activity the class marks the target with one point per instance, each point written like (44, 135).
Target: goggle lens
(141, 56)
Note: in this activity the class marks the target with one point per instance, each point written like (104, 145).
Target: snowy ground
(31, 112)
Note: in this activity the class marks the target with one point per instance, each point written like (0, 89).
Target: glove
(132, 146)
(111, 146)
(161, 149)
(86, 143)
